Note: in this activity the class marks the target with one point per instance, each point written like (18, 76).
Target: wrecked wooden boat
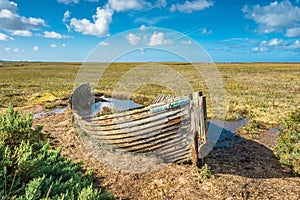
(173, 129)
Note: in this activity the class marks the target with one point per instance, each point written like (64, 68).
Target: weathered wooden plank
(141, 125)
(138, 119)
(163, 98)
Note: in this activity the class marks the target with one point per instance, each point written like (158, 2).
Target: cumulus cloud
(161, 3)
(16, 50)
(259, 49)
(275, 17)
(68, 1)
(24, 33)
(104, 44)
(100, 25)
(295, 45)
(142, 27)
(293, 32)
(4, 37)
(7, 49)
(35, 49)
(9, 5)
(67, 16)
(123, 5)
(133, 39)
(10, 20)
(191, 6)
(53, 45)
(273, 42)
(157, 39)
(52, 34)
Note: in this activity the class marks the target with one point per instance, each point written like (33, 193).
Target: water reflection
(114, 104)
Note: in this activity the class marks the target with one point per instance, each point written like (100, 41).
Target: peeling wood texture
(173, 129)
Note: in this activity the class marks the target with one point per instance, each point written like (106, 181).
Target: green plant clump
(288, 146)
(30, 169)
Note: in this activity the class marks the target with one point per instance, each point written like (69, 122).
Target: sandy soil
(244, 170)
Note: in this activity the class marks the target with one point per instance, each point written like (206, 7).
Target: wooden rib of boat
(173, 129)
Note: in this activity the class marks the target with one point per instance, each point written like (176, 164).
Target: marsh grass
(263, 92)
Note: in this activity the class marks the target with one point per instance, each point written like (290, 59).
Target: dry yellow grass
(264, 92)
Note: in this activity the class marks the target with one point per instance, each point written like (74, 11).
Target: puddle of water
(273, 130)
(114, 104)
(52, 112)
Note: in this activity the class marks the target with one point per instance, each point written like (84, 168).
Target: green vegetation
(30, 169)
(263, 92)
(288, 147)
(203, 173)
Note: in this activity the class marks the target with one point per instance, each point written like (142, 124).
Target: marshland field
(263, 93)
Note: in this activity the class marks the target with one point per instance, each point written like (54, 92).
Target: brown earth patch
(245, 170)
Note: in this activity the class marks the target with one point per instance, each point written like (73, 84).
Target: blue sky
(229, 31)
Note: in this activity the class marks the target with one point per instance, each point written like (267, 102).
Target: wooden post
(198, 126)
(195, 127)
(202, 133)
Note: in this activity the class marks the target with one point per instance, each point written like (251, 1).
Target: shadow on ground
(237, 155)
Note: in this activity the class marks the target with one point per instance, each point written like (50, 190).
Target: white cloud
(191, 6)
(293, 32)
(273, 42)
(63, 45)
(100, 25)
(186, 42)
(24, 33)
(204, 31)
(275, 17)
(259, 49)
(67, 16)
(142, 27)
(4, 13)
(10, 20)
(123, 5)
(104, 44)
(68, 1)
(9, 5)
(16, 50)
(52, 34)
(35, 49)
(157, 39)
(4, 37)
(133, 39)
(161, 3)
(53, 45)
(295, 45)
(7, 49)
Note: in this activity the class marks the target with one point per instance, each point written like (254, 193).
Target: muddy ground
(245, 169)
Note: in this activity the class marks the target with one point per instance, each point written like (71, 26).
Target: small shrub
(14, 128)
(288, 145)
(203, 173)
(30, 169)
